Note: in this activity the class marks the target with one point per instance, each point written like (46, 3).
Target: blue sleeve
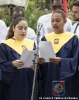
(7, 70)
(0, 74)
(69, 65)
(78, 57)
(43, 39)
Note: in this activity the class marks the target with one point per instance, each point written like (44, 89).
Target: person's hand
(41, 60)
(32, 67)
(17, 63)
(56, 60)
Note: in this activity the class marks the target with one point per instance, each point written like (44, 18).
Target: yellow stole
(20, 45)
(58, 40)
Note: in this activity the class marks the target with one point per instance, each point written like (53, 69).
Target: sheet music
(46, 50)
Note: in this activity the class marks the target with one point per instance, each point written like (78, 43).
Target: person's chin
(22, 38)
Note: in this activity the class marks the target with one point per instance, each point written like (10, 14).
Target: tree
(70, 3)
(48, 2)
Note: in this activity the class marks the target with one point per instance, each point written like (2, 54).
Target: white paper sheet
(27, 57)
(46, 50)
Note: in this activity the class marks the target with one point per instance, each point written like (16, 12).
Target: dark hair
(62, 12)
(18, 10)
(14, 23)
(76, 3)
(56, 0)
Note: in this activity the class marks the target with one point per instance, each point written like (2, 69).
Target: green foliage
(70, 4)
(32, 14)
(5, 15)
(70, 17)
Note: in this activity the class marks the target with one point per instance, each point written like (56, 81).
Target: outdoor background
(35, 9)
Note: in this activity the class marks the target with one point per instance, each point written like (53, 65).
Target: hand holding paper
(56, 60)
(46, 50)
(27, 57)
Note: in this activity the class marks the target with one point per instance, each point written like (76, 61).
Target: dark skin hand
(41, 60)
(56, 60)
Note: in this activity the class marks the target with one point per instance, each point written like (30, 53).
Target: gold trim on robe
(58, 40)
(20, 45)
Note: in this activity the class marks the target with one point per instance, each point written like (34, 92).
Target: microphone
(39, 26)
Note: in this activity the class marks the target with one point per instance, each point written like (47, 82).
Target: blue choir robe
(17, 83)
(65, 71)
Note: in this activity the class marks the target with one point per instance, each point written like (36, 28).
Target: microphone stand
(34, 95)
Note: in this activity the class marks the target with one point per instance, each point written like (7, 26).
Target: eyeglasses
(57, 7)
